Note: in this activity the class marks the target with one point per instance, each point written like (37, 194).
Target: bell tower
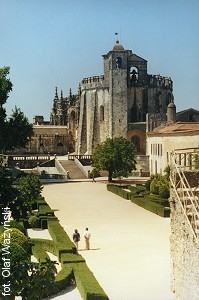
(116, 77)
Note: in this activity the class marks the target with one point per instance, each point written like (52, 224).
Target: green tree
(19, 197)
(5, 88)
(28, 188)
(30, 280)
(116, 156)
(7, 191)
(41, 279)
(17, 252)
(14, 131)
(5, 85)
(19, 129)
(19, 265)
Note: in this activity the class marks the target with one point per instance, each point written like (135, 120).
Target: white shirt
(87, 234)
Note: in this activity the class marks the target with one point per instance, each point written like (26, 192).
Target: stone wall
(184, 256)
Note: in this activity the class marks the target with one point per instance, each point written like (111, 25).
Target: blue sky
(49, 43)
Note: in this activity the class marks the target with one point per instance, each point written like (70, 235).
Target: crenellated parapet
(92, 82)
(160, 81)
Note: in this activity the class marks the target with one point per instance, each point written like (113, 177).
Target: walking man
(76, 238)
(87, 236)
(93, 177)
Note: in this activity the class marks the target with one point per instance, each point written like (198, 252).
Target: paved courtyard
(129, 253)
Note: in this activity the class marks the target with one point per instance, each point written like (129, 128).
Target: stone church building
(124, 101)
(119, 102)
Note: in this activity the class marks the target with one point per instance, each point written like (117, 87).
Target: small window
(101, 113)
(60, 144)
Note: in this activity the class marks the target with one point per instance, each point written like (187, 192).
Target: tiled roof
(179, 127)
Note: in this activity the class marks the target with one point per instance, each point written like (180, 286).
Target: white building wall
(159, 148)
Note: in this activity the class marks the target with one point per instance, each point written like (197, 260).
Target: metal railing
(187, 197)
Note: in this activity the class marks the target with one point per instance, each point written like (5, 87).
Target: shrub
(34, 222)
(17, 225)
(18, 253)
(16, 236)
(154, 186)
(164, 190)
(167, 170)
(147, 184)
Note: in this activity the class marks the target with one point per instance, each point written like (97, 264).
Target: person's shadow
(89, 249)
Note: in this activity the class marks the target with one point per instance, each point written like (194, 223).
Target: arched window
(101, 113)
(136, 142)
(118, 62)
(133, 74)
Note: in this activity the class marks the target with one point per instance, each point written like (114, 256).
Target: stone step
(74, 171)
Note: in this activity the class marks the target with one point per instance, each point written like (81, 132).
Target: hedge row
(39, 252)
(60, 238)
(64, 277)
(140, 197)
(152, 206)
(86, 283)
(73, 265)
(119, 190)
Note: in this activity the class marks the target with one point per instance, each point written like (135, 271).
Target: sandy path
(129, 253)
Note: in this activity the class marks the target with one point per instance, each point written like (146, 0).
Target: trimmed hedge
(65, 276)
(59, 236)
(39, 253)
(44, 244)
(86, 283)
(119, 190)
(63, 279)
(44, 209)
(67, 258)
(139, 196)
(151, 206)
(74, 267)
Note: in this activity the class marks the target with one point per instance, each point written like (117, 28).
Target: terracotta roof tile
(177, 127)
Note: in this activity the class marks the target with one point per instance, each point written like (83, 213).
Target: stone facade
(184, 256)
(65, 111)
(121, 102)
(116, 103)
(56, 136)
(52, 139)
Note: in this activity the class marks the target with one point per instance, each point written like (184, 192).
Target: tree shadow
(67, 290)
